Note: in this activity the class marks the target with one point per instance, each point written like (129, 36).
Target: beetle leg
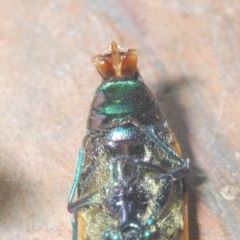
(85, 202)
(177, 173)
(74, 189)
(166, 190)
(116, 172)
(167, 179)
(77, 206)
(74, 229)
(78, 170)
(77, 177)
(148, 131)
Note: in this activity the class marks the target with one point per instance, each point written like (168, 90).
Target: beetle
(130, 179)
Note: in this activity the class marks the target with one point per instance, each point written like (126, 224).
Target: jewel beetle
(130, 180)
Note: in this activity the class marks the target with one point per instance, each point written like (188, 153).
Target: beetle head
(116, 62)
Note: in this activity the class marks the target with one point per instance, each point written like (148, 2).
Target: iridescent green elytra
(129, 176)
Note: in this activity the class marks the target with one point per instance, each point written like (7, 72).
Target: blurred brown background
(189, 58)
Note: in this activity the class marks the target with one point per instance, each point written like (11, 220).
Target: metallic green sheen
(124, 96)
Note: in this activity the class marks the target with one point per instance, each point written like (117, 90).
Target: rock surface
(189, 58)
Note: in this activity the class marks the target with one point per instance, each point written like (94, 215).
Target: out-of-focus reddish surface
(189, 57)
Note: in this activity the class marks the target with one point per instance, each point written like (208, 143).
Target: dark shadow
(14, 194)
(168, 97)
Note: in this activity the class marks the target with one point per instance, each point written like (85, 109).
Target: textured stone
(189, 57)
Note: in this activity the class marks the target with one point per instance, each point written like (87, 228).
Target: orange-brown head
(115, 62)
